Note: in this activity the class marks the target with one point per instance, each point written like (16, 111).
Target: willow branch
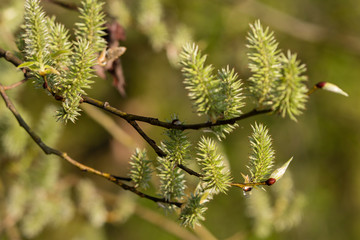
(189, 171)
(49, 150)
(132, 118)
(248, 186)
(106, 106)
(8, 56)
(158, 150)
(14, 85)
(156, 122)
(150, 120)
(150, 141)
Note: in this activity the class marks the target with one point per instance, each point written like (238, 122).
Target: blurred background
(43, 197)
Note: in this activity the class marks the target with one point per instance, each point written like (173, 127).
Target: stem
(14, 85)
(190, 171)
(245, 185)
(106, 106)
(132, 118)
(156, 122)
(150, 141)
(49, 150)
(158, 150)
(10, 57)
(313, 89)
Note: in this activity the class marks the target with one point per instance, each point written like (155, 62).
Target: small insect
(110, 55)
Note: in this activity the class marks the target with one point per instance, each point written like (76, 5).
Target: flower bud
(331, 88)
(278, 173)
(270, 181)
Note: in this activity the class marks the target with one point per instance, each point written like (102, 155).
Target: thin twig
(14, 85)
(106, 106)
(10, 57)
(150, 141)
(48, 150)
(190, 171)
(156, 122)
(250, 184)
(132, 118)
(150, 120)
(158, 150)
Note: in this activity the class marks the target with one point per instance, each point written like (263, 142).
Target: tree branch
(158, 150)
(48, 150)
(10, 57)
(106, 106)
(14, 85)
(150, 120)
(132, 118)
(150, 141)
(156, 122)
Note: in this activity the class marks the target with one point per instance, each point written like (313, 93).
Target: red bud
(320, 84)
(247, 189)
(58, 98)
(270, 181)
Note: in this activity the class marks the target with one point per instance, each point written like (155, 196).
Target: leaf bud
(270, 181)
(331, 88)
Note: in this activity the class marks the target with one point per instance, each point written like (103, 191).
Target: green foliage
(277, 81)
(262, 155)
(36, 37)
(216, 176)
(140, 171)
(193, 211)
(232, 100)
(199, 81)
(78, 78)
(65, 69)
(265, 64)
(36, 34)
(62, 67)
(59, 44)
(217, 97)
(92, 26)
(291, 91)
(177, 146)
(61, 49)
(89, 40)
(172, 182)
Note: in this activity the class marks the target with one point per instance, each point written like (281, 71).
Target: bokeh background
(318, 199)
